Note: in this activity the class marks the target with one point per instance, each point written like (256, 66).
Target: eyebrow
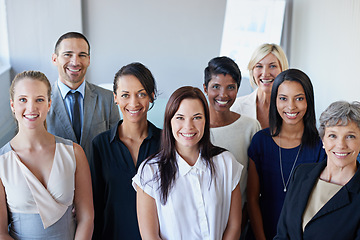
(126, 91)
(74, 52)
(300, 94)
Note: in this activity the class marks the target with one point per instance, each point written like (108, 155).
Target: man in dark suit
(80, 110)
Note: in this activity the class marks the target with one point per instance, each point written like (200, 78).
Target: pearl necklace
(292, 169)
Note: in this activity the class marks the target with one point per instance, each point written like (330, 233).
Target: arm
(233, 227)
(147, 215)
(4, 234)
(83, 196)
(253, 193)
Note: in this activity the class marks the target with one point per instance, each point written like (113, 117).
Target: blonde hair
(261, 52)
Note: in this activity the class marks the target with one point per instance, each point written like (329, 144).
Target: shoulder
(227, 158)
(156, 132)
(63, 140)
(104, 136)
(249, 122)
(99, 90)
(263, 134)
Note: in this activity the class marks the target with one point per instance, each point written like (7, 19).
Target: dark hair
(167, 155)
(222, 65)
(339, 113)
(143, 74)
(70, 35)
(310, 135)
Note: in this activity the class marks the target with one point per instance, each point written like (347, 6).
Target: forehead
(270, 58)
(29, 85)
(290, 87)
(190, 106)
(221, 79)
(129, 82)
(73, 45)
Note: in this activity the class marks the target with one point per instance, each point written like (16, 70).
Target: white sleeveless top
(26, 194)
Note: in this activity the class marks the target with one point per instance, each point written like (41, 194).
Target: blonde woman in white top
(42, 176)
(267, 61)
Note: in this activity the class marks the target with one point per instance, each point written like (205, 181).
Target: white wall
(326, 45)
(174, 39)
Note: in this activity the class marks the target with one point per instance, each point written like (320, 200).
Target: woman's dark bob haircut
(222, 65)
(310, 135)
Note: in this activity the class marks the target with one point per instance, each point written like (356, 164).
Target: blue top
(265, 153)
(112, 169)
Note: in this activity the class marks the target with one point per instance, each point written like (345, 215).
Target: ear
(12, 105)
(54, 58)
(115, 98)
(152, 97)
(205, 88)
(49, 105)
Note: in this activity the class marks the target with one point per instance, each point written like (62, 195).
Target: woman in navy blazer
(323, 201)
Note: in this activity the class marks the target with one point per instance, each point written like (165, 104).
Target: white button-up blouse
(198, 206)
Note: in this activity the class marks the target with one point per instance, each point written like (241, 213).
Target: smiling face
(188, 125)
(72, 60)
(342, 144)
(265, 71)
(132, 99)
(291, 102)
(221, 92)
(31, 103)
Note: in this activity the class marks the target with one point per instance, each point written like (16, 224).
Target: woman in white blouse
(190, 189)
(267, 61)
(42, 177)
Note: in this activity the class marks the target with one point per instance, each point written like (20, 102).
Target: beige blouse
(322, 192)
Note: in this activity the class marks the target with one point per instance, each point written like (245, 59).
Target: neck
(133, 130)
(292, 131)
(219, 119)
(263, 97)
(189, 154)
(338, 175)
(32, 138)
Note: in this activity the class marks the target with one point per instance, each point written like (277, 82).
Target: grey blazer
(100, 114)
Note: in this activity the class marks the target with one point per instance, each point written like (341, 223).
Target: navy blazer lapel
(61, 113)
(307, 186)
(341, 198)
(90, 100)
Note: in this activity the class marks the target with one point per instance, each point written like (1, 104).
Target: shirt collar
(114, 135)
(65, 89)
(185, 168)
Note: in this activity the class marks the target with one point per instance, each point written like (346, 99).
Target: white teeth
(188, 134)
(74, 70)
(222, 102)
(341, 154)
(31, 116)
(133, 112)
(291, 114)
(266, 81)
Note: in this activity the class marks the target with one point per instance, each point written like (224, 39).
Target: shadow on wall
(155, 115)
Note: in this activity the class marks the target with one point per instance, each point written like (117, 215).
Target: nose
(74, 59)
(31, 105)
(223, 92)
(341, 143)
(133, 101)
(189, 124)
(292, 104)
(265, 71)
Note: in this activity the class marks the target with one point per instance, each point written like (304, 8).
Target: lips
(341, 154)
(188, 135)
(291, 115)
(133, 111)
(31, 116)
(221, 102)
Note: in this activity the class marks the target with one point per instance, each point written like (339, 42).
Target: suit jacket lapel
(61, 113)
(90, 99)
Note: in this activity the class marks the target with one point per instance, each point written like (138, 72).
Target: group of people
(222, 167)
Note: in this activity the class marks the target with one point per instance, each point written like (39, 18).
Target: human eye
(142, 95)
(282, 98)
(231, 87)
(83, 55)
(125, 95)
(22, 99)
(216, 86)
(179, 118)
(300, 98)
(273, 66)
(351, 136)
(67, 55)
(258, 66)
(40, 100)
(332, 135)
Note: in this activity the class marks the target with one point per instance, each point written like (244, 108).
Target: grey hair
(339, 113)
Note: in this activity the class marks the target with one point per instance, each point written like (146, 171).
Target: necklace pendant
(284, 189)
